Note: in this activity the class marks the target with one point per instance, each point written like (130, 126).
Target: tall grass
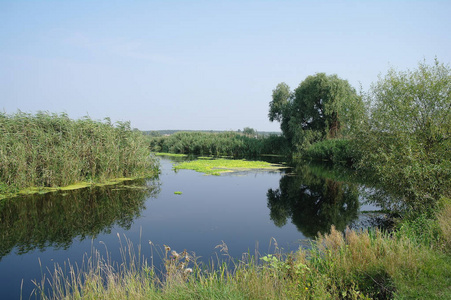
(350, 265)
(50, 150)
(217, 144)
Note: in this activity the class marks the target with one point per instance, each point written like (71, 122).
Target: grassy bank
(51, 150)
(350, 265)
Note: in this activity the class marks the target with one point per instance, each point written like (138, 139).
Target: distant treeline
(169, 132)
(224, 143)
(50, 150)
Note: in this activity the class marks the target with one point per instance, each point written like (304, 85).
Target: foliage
(406, 141)
(320, 107)
(281, 99)
(430, 230)
(275, 144)
(444, 222)
(152, 133)
(383, 267)
(49, 150)
(250, 132)
(216, 144)
(335, 151)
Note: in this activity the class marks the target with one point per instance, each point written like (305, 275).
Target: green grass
(219, 166)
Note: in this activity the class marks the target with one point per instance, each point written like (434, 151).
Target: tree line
(398, 132)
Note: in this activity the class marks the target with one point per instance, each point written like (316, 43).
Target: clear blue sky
(202, 64)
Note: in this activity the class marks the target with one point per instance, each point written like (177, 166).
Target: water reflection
(56, 219)
(313, 203)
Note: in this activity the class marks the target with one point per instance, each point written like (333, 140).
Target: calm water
(245, 210)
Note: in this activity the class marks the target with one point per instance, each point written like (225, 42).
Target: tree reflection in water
(56, 219)
(313, 203)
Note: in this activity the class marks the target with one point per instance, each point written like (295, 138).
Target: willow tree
(322, 106)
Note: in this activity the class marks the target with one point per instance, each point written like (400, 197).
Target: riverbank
(406, 264)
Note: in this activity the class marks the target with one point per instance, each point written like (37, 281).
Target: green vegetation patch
(177, 193)
(76, 186)
(218, 166)
(170, 154)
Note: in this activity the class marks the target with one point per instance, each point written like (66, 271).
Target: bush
(405, 143)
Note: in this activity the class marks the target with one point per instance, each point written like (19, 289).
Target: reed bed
(218, 144)
(51, 150)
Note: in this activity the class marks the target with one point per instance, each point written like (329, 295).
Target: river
(250, 211)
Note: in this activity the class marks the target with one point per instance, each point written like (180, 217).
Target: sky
(202, 65)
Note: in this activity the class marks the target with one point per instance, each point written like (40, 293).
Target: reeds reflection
(56, 219)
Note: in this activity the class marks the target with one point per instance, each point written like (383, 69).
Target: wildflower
(188, 270)
(175, 254)
(167, 248)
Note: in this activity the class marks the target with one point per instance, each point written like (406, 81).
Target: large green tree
(322, 106)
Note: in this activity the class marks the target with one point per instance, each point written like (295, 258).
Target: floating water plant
(177, 193)
(170, 154)
(218, 166)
